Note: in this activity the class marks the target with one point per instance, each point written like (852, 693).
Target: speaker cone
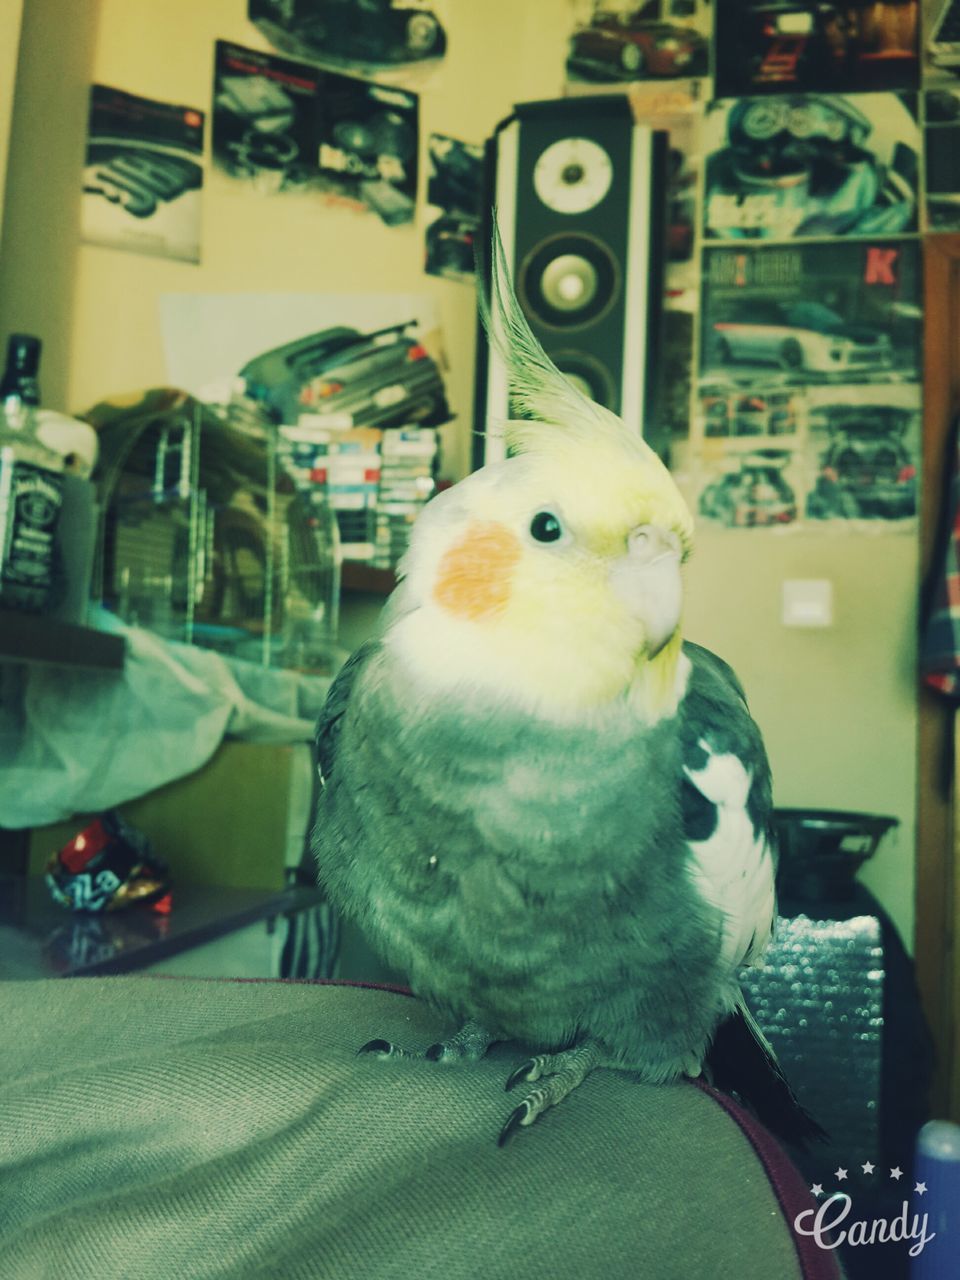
(569, 280)
(589, 376)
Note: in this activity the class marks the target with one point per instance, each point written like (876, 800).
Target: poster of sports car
(142, 175)
(863, 453)
(677, 109)
(651, 40)
(808, 395)
(356, 381)
(941, 140)
(788, 46)
(288, 126)
(941, 39)
(811, 165)
(454, 200)
(771, 456)
(813, 314)
(376, 37)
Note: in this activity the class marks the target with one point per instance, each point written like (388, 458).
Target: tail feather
(742, 1062)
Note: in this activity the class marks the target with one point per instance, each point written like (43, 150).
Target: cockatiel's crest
(558, 422)
(551, 578)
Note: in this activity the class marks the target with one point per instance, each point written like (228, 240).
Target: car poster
(651, 40)
(454, 200)
(288, 126)
(808, 392)
(941, 41)
(941, 140)
(383, 38)
(787, 46)
(678, 110)
(355, 382)
(142, 175)
(815, 313)
(811, 165)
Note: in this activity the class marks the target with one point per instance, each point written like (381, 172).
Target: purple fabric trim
(788, 1186)
(290, 982)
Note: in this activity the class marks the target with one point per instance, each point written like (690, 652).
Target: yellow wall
(836, 706)
(11, 13)
(42, 209)
(164, 49)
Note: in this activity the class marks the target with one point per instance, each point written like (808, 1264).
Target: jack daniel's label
(30, 500)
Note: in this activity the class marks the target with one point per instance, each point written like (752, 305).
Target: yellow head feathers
(558, 423)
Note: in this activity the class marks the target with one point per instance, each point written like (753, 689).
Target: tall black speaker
(579, 190)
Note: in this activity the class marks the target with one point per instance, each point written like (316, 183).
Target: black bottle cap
(23, 362)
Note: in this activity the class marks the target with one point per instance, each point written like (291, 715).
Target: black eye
(545, 527)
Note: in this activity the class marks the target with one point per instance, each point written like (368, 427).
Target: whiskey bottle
(31, 485)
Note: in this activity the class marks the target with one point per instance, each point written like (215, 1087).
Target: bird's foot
(468, 1045)
(561, 1073)
(692, 1066)
(386, 1049)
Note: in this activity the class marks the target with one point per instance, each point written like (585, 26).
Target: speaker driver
(589, 376)
(573, 175)
(569, 281)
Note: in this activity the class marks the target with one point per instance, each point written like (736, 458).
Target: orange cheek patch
(474, 576)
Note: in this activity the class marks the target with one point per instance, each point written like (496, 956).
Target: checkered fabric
(940, 638)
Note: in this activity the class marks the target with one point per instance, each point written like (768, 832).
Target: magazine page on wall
(941, 43)
(454, 204)
(355, 383)
(285, 126)
(396, 41)
(811, 166)
(809, 394)
(677, 108)
(815, 46)
(142, 175)
(656, 40)
(941, 139)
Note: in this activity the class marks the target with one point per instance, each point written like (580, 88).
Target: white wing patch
(733, 868)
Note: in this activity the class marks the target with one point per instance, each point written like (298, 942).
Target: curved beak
(647, 580)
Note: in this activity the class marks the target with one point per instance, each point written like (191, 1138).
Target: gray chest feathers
(530, 876)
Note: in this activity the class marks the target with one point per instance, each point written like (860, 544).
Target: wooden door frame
(936, 932)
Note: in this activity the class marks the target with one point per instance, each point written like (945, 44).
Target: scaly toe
(384, 1049)
(521, 1116)
(527, 1072)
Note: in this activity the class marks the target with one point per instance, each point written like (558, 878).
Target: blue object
(937, 1170)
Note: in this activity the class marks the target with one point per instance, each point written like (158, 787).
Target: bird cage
(204, 537)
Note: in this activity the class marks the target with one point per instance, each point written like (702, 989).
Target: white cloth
(77, 740)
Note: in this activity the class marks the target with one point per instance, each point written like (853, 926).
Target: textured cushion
(163, 1128)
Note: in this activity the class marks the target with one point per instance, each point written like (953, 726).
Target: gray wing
(726, 798)
(327, 735)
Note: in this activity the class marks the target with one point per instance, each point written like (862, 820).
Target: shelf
(27, 637)
(39, 939)
(359, 578)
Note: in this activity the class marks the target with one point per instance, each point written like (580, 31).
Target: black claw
(514, 1121)
(519, 1076)
(377, 1046)
(435, 1052)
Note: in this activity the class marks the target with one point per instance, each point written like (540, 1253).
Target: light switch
(807, 602)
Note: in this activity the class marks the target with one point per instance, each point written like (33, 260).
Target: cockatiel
(538, 801)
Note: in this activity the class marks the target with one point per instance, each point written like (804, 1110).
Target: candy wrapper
(106, 866)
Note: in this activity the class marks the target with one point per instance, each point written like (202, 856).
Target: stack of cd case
(407, 468)
(374, 481)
